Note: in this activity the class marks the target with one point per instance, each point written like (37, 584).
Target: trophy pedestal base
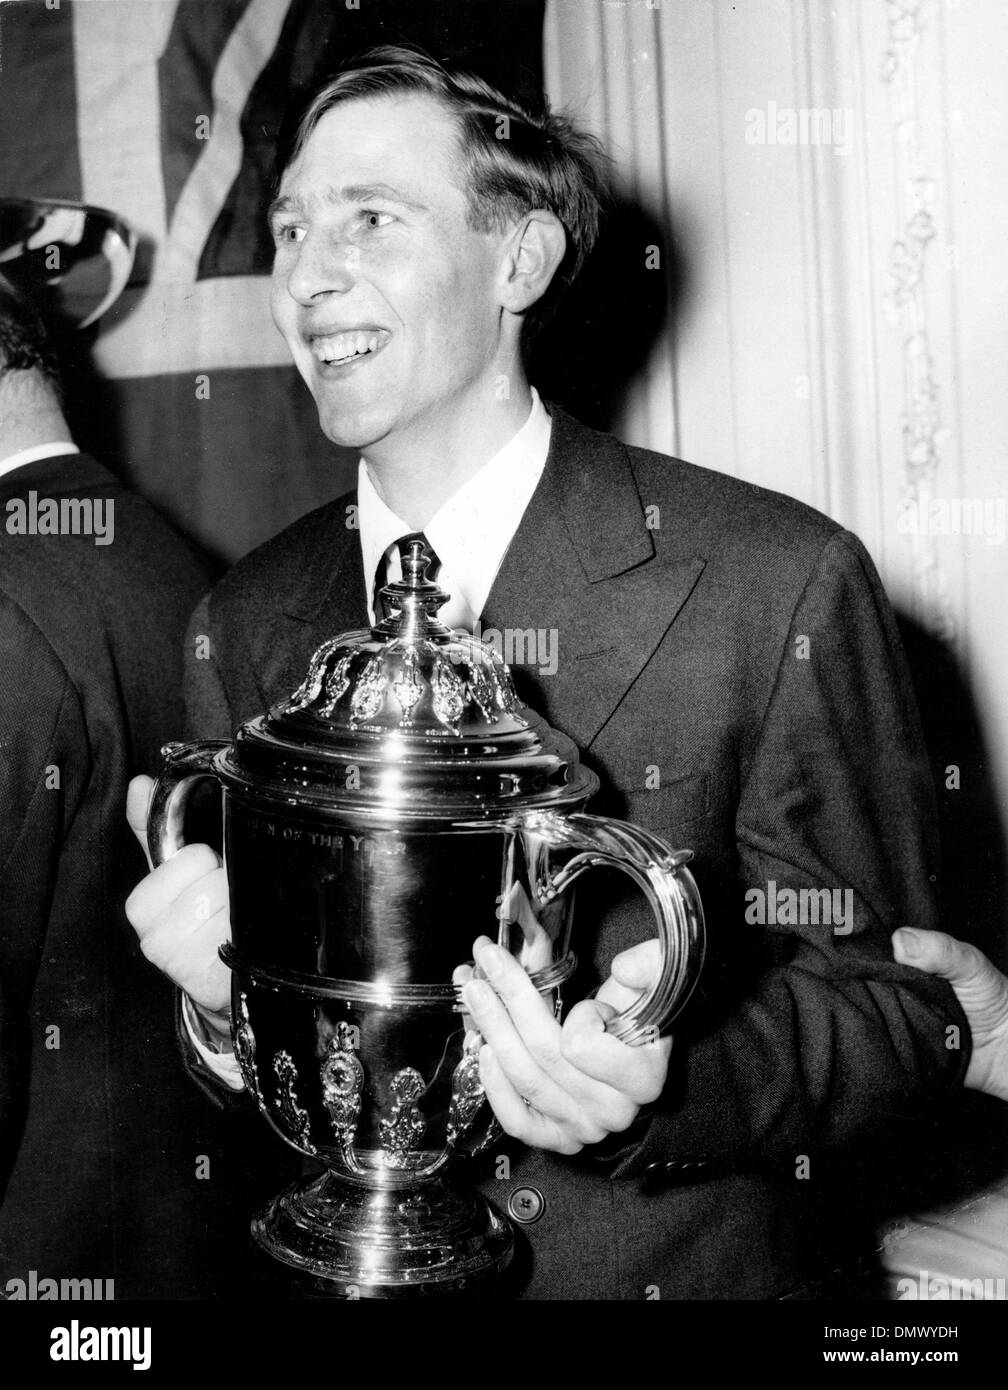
(385, 1242)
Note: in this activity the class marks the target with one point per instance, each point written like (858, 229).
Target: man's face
(383, 292)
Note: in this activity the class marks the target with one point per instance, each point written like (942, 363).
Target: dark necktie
(381, 573)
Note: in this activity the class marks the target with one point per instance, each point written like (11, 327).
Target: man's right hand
(180, 913)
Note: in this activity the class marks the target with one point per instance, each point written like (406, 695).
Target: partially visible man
(959, 1251)
(99, 1143)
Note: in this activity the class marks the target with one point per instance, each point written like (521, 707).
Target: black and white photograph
(503, 668)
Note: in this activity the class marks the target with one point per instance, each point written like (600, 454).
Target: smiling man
(424, 226)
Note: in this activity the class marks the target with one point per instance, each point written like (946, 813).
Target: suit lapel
(325, 595)
(584, 572)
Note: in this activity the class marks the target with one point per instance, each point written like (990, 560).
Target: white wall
(844, 335)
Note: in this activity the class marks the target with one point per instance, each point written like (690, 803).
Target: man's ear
(534, 253)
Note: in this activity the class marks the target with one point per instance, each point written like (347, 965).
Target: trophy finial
(415, 564)
(412, 603)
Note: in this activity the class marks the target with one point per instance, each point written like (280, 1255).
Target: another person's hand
(180, 912)
(560, 1088)
(981, 990)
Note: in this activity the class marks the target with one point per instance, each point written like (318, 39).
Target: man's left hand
(560, 1088)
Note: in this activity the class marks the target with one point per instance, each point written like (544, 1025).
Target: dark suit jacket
(681, 647)
(99, 1142)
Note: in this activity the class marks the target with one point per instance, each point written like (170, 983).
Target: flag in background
(166, 112)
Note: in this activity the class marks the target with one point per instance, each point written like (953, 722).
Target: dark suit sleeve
(836, 1037)
(44, 767)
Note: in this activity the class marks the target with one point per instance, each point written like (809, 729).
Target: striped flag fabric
(166, 112)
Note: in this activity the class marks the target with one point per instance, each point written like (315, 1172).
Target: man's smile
(343, 346)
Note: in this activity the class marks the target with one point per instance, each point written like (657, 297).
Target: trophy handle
(185, 764)
(661, 874)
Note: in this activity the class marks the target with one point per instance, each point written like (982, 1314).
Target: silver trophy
(399, 804)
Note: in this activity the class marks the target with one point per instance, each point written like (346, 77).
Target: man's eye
(373, 220)
(289, 232)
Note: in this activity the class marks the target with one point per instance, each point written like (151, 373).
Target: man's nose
(324, 265)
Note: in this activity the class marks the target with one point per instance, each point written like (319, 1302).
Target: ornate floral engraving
(507, 697)
(467, 1094)
(409, 687)
(245, 1051)
(448, 691)
(493, 1132)
(311, 687)
(342, 1085)
(338, 683)
(907, 301)
(369, 693)
(294, 1116)
(403, 1131)
(482, 692)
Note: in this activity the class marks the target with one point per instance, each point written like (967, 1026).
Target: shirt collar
(56, 449)
(473, 529)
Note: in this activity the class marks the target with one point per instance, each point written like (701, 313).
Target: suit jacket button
(525, 1205)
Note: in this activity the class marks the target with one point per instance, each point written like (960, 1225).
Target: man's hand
(981, 990)
(579, 1082)
(180, 913)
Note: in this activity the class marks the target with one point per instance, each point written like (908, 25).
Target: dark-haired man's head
(30, 391)
(24, 342)
(424, 222)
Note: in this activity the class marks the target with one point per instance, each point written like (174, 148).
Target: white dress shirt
(57, 449)
(470, 534)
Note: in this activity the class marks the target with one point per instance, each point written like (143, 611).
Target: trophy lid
(408, 717)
